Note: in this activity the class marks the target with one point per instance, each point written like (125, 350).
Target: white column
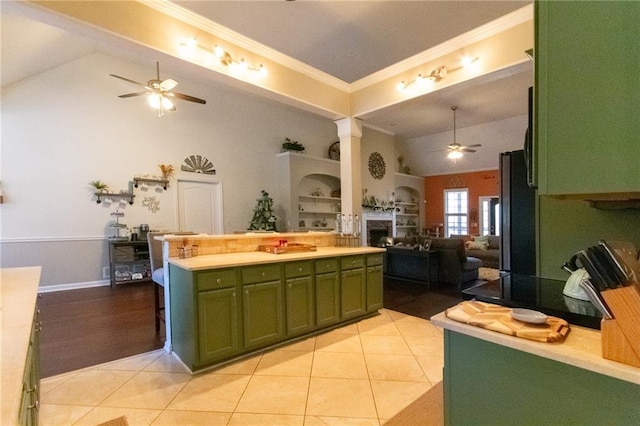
(350, 133)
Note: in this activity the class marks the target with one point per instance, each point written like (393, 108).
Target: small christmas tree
(263, 218)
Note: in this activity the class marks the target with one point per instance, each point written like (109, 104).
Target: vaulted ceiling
(348, 41)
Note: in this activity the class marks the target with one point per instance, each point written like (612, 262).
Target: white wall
(495, 137)
(66, 127)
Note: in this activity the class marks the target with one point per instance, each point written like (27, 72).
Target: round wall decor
(377, 167)
(334, 150)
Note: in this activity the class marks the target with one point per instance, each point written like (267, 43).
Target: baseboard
(73, 286)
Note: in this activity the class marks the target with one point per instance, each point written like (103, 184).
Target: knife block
(621, 335)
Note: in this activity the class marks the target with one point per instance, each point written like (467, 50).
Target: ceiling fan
(159, 92)
(455, 150)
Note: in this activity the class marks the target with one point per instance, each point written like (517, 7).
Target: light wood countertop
(18, 290)
(581, 348)
(258, 257)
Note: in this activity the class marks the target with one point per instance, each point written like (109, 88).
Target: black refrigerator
(517, 216)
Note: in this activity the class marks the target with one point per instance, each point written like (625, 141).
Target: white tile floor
(359, 374)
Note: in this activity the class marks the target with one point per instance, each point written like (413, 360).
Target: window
(455, 212)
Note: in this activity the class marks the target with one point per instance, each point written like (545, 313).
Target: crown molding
(188, 17)
(489, 29)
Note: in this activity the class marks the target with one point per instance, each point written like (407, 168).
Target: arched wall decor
(198, 164)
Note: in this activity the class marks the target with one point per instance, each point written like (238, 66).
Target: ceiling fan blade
(130, 95)
(130, 81)
(467, 150)
(472, 146)
(168, 84)
(186, 97)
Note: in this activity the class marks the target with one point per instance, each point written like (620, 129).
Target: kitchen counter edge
(19, 291)
(582, 348)
(226, 260)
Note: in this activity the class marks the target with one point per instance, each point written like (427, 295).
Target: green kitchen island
(227, 305)
(492, 378)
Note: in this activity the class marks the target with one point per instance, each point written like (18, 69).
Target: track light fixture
(225, 58)
(435, 75)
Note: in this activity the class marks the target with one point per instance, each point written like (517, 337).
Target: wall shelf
(120, 195)
(162, 182)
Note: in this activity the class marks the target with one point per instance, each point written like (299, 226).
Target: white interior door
(200, 205)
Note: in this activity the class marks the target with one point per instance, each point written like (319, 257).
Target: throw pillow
(477, 245)
(482, 239)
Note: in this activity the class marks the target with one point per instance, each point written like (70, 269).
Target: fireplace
(377, 225)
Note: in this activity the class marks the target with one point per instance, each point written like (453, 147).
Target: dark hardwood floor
(81, 328)
(86, 327)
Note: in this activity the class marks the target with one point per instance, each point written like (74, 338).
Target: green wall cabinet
(587, 96)
(353, 287)
(499, 385)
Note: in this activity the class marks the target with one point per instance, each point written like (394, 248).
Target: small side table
(129, 262)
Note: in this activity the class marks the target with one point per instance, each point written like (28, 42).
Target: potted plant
(289, 145)
(99, 186)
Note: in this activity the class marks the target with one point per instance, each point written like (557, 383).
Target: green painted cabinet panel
(30, 399)
(353, 293)
(490, 384)
(263, 316)
(327, 299)
(374, 288)
(587, 96)
(218, 322)
(300, 301)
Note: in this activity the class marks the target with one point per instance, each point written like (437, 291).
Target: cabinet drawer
(211, 280)
(352, 262)
(261, 273)
(326, 265)
(374, 259)
(297, 269)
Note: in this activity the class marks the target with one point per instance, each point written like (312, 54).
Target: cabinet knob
(263, 275)
(246, 292)
(353, 262)
(233, 294)
(299, 269)
(327, 266)
(218, 280)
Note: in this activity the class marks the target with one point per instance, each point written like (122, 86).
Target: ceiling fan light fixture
(454, 155)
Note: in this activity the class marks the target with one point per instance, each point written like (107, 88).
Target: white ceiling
(348, 40)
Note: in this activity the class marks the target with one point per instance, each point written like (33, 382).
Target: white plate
(527, 315)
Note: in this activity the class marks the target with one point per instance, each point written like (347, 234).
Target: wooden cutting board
(498, 318)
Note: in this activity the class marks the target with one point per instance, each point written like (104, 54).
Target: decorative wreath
(377, 167)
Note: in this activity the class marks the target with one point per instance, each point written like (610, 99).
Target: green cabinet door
(262, 313)
(299, 297)
(353, 293)
(374, 288)
(218, 335)
(587, 96)
(327, 299)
